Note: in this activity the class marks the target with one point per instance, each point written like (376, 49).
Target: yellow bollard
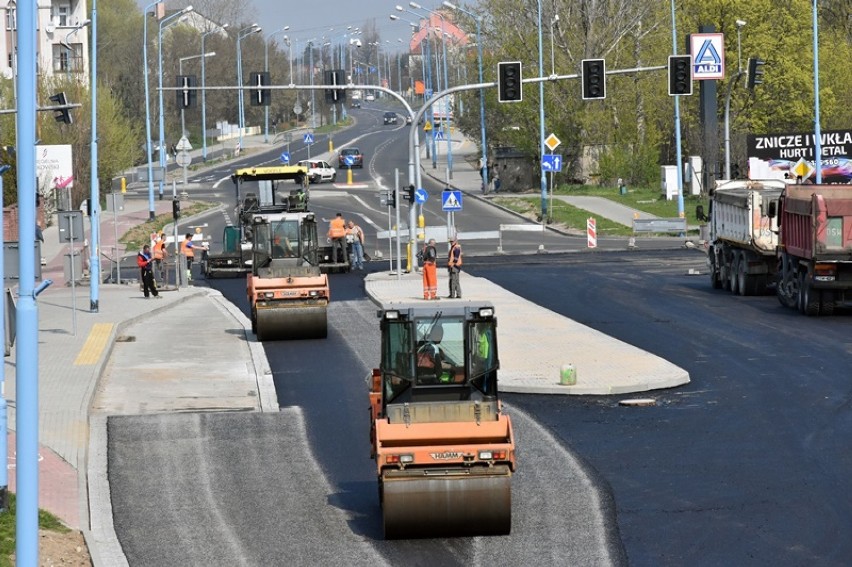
(421, 227)
(124, 185)
(349, 176)
(330, 145)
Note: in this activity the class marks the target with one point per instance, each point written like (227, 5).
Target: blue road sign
(451, 200)
(551, 162)
(308, 138)
(439, 134)
(285, 157)
(428, 93)
(420, 196)
(349, 160)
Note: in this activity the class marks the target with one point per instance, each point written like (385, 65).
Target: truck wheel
(826, 303)
(735, 275)
(810, 297)
(715, 282)
(724, 271)
(744, 281)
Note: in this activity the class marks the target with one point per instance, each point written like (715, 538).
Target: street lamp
(544, 211)
(731, 85)
(817, 132)
(148, 115)
(67, 45)
(254, 28)
(202, 56)
(220, 29)
(266, 68)
(677, 124)
(162, 26)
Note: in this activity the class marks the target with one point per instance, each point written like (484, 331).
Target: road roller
(444, 448)
(287, 292)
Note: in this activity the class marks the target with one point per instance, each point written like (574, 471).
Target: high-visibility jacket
(337, 228)
(142, 260)
(160, 249)
(186, 248)
(454, 259)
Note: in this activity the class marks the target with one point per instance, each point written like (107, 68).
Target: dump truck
(259, 191)
(443, 446)
(815, 248)
(743, 236)
(287, 292)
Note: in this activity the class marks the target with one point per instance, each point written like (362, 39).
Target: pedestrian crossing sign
(451, 200)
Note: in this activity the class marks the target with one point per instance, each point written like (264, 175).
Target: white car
(318, 170)
(370, 98)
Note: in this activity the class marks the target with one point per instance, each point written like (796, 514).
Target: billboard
(773, 156)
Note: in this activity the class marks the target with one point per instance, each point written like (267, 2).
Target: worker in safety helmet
(337, 234)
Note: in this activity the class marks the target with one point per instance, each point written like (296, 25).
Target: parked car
(369, 98)
(390, 117)
(354, 153)
(318, 170)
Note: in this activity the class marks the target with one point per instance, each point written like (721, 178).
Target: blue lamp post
(817, 131)
(151, 213)
(266, 68)
(163, 25)
(677, 125)
(94, 197)
(203, 95)
(254, 28)
(478, 21)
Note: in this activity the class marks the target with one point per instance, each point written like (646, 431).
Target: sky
(308, 19)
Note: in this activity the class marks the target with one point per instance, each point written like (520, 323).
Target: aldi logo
(708, 56)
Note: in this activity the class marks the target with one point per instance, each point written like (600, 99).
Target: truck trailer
(744, 236)
(815, 248)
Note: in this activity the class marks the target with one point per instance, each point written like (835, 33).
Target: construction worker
(160, 254)
(355, 235)
(187, 249)
(337, 234)
(430, 272)
(146, 274)
(454, 264)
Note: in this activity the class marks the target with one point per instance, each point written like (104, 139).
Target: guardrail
(659, 225)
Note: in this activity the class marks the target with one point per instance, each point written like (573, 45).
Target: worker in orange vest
(454, 264)
(337, 234)
(187, 249)
(429, 256)
(159, 254)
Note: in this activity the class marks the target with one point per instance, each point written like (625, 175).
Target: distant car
(318, 170)
(369, 98)
(408, 120)
(354, 153)
(356, 103)
(390, 117)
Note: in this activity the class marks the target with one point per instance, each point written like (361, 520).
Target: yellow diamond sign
(802, 169)
(552, 142)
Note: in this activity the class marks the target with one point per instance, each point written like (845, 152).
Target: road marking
(94, 345)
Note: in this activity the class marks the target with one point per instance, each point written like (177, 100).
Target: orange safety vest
(186, 250)
(159, 249)
(450, 262)
(337, 228)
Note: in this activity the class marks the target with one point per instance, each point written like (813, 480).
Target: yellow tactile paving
(94, 346)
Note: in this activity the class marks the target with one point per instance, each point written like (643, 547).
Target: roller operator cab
(444, 450)
(287, 291)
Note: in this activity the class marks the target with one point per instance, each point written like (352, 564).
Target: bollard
(567, 375)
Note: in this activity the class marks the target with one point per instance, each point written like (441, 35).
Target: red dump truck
(815, 248)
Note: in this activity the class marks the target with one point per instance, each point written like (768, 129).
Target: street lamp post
(544, 211)
(202, 56)
(67, 45)
(817, 132)
(313, 98)
(254, 28)
(731, 86)
(203, 92)
(162, 26)
(151, 213)
(266, 68)
(677, 124)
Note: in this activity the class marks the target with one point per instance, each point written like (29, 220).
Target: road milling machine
(287, 291)
(444, 449)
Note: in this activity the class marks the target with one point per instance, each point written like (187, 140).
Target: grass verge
(46, 521)
(562, 213)
(646, 199)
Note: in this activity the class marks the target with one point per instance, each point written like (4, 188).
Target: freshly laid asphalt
(128, 358)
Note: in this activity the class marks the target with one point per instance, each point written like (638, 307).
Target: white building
(63, 47)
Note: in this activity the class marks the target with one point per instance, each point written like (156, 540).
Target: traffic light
(388, 198)
(680, 75)
(594, 78)
(755, 72)
(735, 171)
(410, 194)
(61, 114)
(509, 82)
(175, 208)
(334, 96)
(188, 91)
(260, 97)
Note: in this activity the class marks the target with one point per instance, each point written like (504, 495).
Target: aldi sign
(708, 55)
